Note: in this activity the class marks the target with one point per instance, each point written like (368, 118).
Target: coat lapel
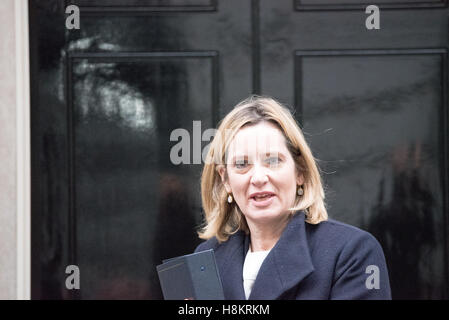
(231, 261)
(287, 264)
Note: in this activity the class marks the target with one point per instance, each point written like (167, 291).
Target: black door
(113, 102)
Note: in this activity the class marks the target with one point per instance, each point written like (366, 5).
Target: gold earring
(230, 198)
(300, 191)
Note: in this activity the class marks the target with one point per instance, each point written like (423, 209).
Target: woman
(266, 220)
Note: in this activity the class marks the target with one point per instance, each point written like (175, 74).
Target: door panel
(128, 194)
(378, 136)
(142, 3)
(326, 5)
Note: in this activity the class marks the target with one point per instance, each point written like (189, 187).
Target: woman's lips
(262, 202)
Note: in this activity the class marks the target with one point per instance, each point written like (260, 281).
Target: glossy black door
(111, 101)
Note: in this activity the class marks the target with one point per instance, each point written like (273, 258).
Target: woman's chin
(264, 214)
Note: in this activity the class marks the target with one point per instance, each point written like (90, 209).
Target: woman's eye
(240, 164)
(273, 161)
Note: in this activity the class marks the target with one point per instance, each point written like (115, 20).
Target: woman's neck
(264, 236)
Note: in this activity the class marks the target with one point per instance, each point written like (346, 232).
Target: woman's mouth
(262, 200)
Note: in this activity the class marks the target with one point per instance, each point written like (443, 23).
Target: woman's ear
(300, 179)
(224, 178)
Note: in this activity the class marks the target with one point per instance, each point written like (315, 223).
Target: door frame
(23, 151)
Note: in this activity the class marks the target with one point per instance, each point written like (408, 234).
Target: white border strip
(23, 151)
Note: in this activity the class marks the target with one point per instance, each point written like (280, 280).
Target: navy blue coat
(329, 260)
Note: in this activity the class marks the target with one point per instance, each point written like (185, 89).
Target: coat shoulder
(211, 243)
(342, 240)
(234, 240)
(338, 232)
(351, 252)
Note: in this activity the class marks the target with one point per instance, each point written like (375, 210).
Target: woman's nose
(259, 175)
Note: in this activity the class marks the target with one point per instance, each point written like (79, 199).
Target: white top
(251, 267)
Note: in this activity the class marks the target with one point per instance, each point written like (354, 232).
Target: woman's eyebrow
(274, 153)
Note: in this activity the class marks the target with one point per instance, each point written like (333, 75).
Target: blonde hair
(223, 219)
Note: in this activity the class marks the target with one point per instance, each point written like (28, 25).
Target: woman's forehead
(258, 139)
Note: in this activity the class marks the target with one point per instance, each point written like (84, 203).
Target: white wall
(14, 152)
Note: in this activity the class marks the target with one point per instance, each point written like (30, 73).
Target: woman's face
(261, 173)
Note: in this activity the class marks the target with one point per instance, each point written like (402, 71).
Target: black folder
(193, 276)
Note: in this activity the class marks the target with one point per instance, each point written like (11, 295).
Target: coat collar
(287, 264)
